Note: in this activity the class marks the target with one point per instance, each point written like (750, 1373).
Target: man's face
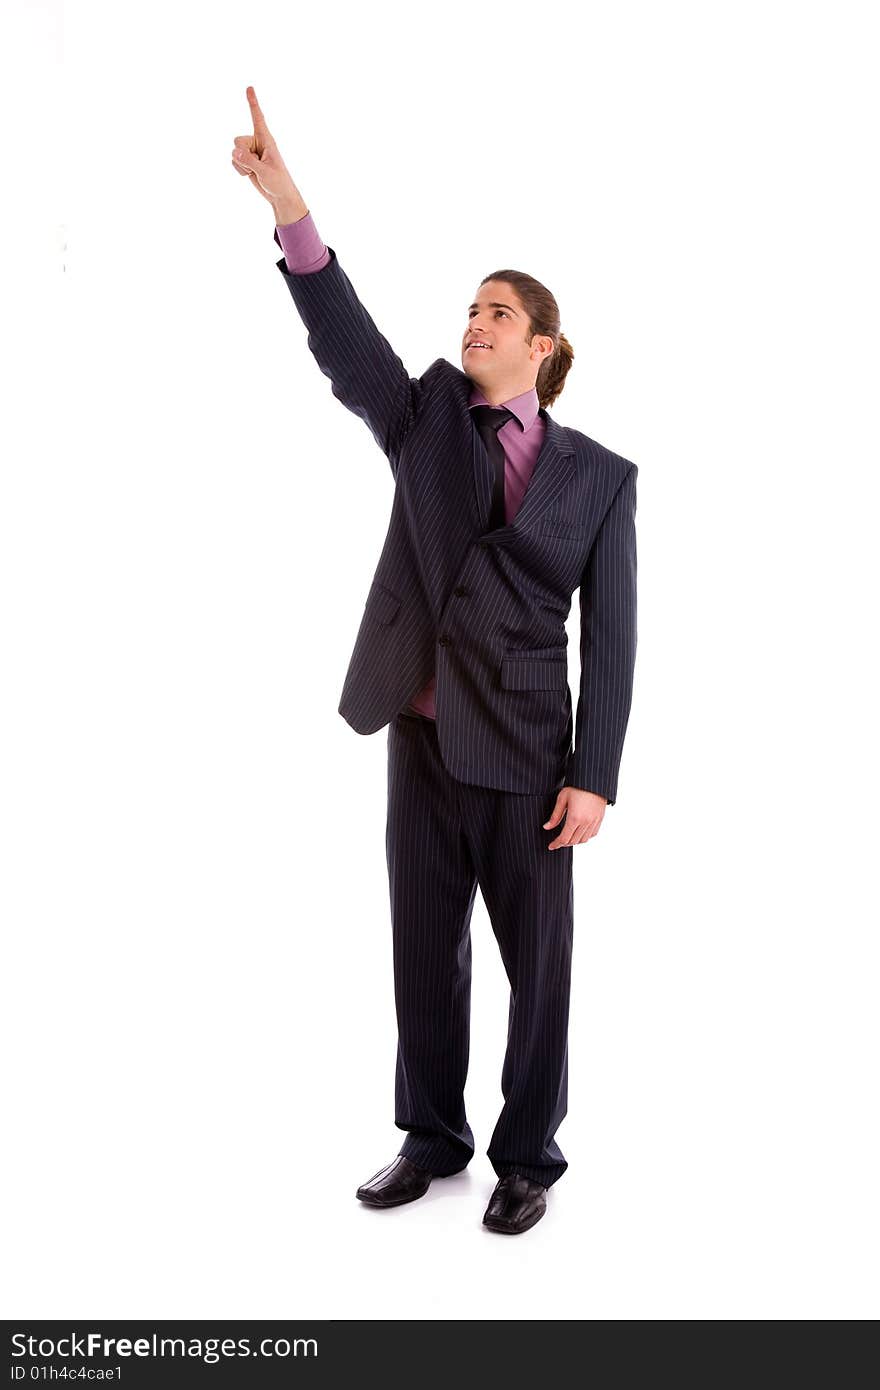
(497, 318)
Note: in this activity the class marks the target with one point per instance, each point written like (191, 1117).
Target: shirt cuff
(304, 251)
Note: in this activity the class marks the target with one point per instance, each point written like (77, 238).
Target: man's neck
(499, 394)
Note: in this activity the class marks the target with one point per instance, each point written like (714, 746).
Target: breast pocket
(540, 668)
(565, 530)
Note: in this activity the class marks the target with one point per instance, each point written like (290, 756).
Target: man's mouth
(484, 347)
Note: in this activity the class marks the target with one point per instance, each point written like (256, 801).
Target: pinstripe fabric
(443, 839)
(483, 609)
(469, 790)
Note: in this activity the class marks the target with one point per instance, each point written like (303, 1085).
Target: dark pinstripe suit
(468, 792)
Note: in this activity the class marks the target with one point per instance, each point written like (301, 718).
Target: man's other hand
(583, 813)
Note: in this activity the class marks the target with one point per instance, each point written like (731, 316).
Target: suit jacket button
(445, 641)
(461, 592)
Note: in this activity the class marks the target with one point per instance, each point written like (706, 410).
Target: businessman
(499, 515)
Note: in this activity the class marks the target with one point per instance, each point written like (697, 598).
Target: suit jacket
(485, 610)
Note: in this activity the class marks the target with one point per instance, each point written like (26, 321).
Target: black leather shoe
(400, 1181)
(515, 1205)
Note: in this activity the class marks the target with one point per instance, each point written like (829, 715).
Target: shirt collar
(524, 407)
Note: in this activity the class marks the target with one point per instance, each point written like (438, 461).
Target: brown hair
(543, 312)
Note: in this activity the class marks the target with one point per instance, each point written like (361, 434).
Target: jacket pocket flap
(381, 604)
(543, 669)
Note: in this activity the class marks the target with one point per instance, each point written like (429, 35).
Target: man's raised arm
(365, 373)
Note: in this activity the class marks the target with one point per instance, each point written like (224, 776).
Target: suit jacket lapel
(553, 469)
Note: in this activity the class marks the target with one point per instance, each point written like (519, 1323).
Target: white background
(198, 1018)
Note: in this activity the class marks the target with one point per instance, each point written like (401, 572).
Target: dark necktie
(488, 420)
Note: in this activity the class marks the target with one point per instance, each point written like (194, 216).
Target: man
(499, 515)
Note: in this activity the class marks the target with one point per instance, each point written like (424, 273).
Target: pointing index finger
(260, 127)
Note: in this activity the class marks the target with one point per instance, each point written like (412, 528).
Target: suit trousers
(444, 838)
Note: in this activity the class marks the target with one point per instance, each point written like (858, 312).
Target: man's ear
(543, 344)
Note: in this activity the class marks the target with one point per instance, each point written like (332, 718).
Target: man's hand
(258, 158)
(583, 813)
